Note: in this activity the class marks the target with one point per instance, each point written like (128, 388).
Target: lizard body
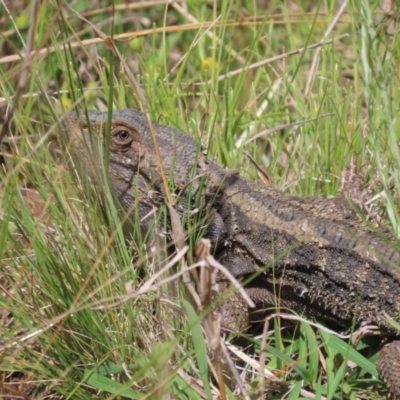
(315, 253)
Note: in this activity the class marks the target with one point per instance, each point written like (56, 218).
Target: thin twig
(210, 34)
(145, 32)
(272, 59)
(284, 126)
(315, 62)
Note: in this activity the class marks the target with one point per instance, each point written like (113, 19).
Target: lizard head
(128, 137)
(123, 139)
(124, 135)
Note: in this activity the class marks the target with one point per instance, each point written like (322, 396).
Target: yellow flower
(208, 63)
(22, 21)
(66, 102)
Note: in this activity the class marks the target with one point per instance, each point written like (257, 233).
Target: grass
(68, 328)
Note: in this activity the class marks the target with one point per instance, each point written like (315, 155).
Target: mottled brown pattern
(315, 255)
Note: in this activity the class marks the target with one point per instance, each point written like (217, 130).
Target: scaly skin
(318, 257)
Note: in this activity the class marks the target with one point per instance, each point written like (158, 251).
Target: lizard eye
(122, 136)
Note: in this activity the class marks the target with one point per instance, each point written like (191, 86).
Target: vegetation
(73, 322)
